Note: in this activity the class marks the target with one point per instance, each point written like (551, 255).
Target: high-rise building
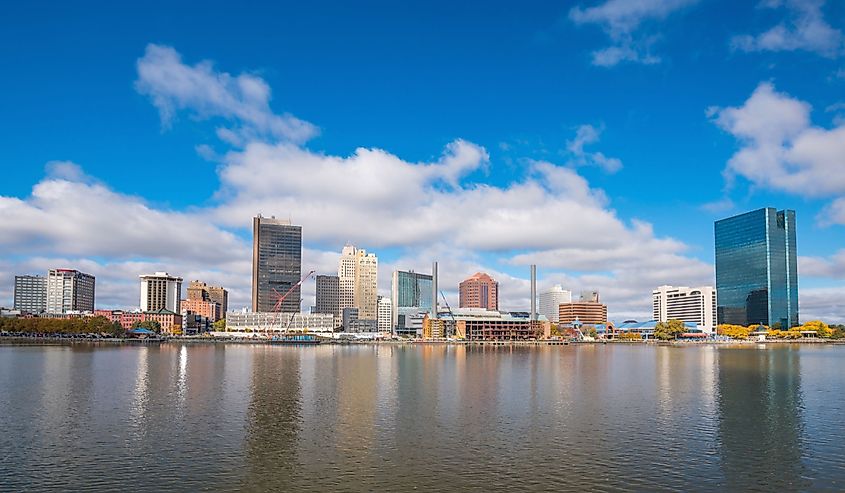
(384, 314)
(691, 305)
(358, 281)
(328, 297)
(276, 264)
(161, 291)
(410, 293)
(200, 291)
(69, 290)
(31, 294)
(757, 269)
(479, 291)
(551, 300)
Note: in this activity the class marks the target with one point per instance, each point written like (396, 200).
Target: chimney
(533, 292)
(434, 292)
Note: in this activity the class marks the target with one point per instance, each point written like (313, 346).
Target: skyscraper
(161, 291)
(328, 297)
(69, 290)
(757, 269)
(31, 294)
(551, 300)
(410, 293)
(276, 264)
(479, 291)
(358, 281)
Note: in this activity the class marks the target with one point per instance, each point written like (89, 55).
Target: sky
(597, 139)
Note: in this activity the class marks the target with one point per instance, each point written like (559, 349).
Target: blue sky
(609, 135)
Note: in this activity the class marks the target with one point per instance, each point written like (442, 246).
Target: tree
(733, 331)
(592, 333)
(669, 330)
(821, 328)
(152, 325)
(220, 325)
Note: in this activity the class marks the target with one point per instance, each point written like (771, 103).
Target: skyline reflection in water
(612, 417)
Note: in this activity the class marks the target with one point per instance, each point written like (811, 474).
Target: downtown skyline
(604, 197)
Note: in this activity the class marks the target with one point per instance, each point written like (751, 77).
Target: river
(616, 417)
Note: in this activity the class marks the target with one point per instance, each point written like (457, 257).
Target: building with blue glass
(757, 269)
(411, 298)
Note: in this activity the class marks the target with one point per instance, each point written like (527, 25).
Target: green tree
(669, 330)
(220, 325)
(152, 325)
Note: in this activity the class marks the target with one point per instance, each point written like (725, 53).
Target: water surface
(433, 417)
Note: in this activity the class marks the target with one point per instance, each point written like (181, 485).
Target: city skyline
(549, 168)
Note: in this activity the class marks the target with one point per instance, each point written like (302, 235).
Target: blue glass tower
(757, 269)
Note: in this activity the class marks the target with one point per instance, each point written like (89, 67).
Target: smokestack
(434, 292)
(533, 292)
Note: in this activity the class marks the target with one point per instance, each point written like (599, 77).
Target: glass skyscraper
(411, 294)
(276, 264)
(757, 269)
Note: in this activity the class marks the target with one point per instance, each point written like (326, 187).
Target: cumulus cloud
(822, 304)
(803, 29)
(780, 148)
(585, 135)
(243, 100)
(832, 267)
(622, 20)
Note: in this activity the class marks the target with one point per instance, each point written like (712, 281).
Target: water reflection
(760, 408)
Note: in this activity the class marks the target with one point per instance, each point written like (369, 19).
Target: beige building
(586, 312)
(161, 291)
(479, 291)
(358, 282)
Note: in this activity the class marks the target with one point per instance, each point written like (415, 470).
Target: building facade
(385, 315)
(411, 291)
(276, 264)
(691, 305)
(757, 269)
(208, 309)
(586, 312)
(161, 291)
(243, 321)
(201, 291)
(358, 282)
(479, 291)
(551, 300)
(480, 324)
(30, 294)
(69, 290)
(328, 297)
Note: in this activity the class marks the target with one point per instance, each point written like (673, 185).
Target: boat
(295, 339)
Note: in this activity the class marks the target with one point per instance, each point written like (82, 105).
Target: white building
(244, 321)
(161, 291)
(358, 282)
(692, 305)
(69, 290)
(385, 314)
(551, 300)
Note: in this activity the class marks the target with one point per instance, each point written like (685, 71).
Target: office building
(161, 291)
(586, 312)
(69, 290)
(251, 322)
(358, 282)
(385, 315)
(757, 269)
(551, 300)
(201, 291)
(328, 297)
(479, 291)
(692, 305)
(30, 294)
(481, 324)
(410, 293)
(204, 308)
(276, 264)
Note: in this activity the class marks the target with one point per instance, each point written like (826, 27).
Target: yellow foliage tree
(734, 331)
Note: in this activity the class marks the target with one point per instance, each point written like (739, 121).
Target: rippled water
(393, 418)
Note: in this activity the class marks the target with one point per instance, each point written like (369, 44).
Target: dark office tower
(328, 296)
(276, 264)
(31, 294)
(757, 269)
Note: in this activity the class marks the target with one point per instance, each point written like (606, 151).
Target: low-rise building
(586, 312)
(480, 324)
(205, 308)
(244, 321)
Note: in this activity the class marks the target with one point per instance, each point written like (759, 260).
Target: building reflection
(760, 403)
(273, 419)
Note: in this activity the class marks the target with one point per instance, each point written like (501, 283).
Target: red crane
(277, 308)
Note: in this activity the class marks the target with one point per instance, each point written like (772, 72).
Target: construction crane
(448, 308)
(277, 308)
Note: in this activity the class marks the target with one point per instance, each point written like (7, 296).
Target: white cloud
(780, 148)
(621, 20)
(822, 304)
(804, 29)
(587, 134)
(830, 268)
(243, 99)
